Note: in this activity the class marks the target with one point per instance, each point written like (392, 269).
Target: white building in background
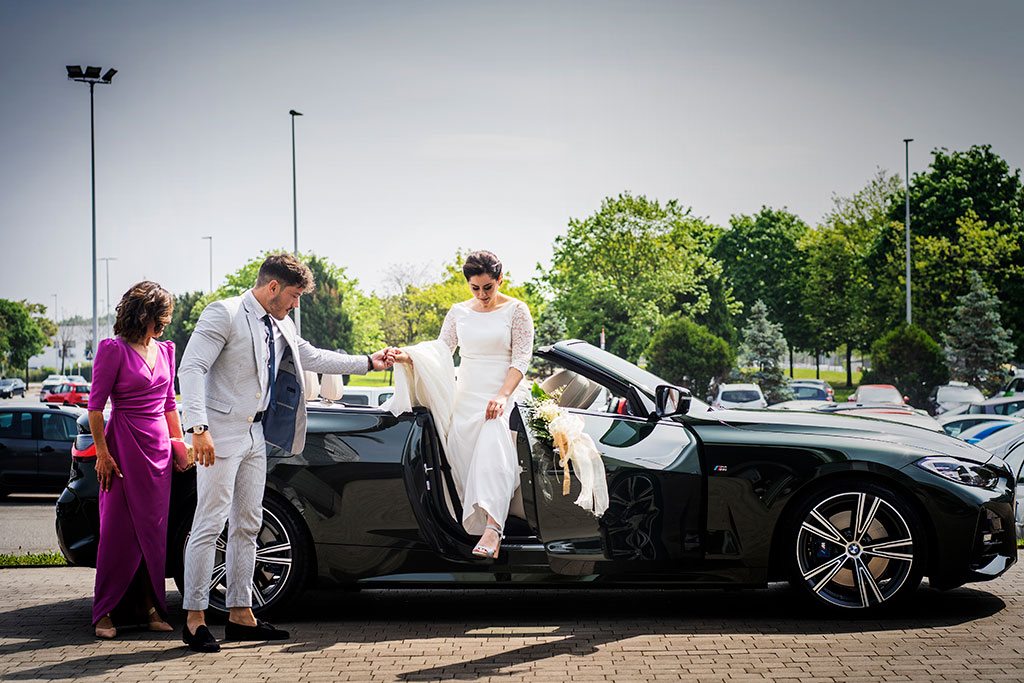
(78, 338)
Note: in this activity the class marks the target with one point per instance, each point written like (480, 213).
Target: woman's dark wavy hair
(143, 302)
(481, 262)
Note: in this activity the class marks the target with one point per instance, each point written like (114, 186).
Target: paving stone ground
(969, 634)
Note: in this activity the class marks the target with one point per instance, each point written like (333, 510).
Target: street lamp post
(295, 215)
(91, 75)
(107, 260)
(210, 237)
(56, 337)
(906, 144)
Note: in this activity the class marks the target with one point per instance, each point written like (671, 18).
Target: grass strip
(47, 559)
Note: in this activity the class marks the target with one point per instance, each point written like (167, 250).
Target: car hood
(848, 426)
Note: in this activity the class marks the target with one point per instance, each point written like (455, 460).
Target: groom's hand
(382, 359)
(202, 444)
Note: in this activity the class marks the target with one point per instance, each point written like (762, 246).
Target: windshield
(614, 365)
(804, 392)
(740, 396)
(878, 395)
(645, 381)
(959, 395)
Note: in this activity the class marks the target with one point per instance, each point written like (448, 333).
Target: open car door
(653, 524)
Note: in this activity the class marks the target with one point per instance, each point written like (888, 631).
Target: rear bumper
(78, 517)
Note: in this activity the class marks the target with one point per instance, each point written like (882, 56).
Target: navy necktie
(273, 357)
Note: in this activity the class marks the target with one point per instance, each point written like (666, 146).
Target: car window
(355, 400)
(384, 396)
(15, 424)
(805, 392)
(740, 396)
(879, 396)
(58, 427)
(1008, 407)
(83, 388)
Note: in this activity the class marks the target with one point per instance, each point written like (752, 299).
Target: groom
(242, 387)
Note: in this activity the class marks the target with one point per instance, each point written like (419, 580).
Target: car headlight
(961, 471)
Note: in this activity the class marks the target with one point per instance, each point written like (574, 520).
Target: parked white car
(739, 396)
(366, 396)
(954, 425)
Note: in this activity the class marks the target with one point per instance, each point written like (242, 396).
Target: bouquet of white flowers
(541, 409)
(563, 432)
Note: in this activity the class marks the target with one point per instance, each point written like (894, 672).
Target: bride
(494, 334)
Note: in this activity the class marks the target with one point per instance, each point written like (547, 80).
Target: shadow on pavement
(567, 622)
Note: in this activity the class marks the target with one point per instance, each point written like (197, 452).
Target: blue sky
(431, 126)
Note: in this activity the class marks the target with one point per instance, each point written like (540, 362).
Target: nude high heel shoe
(156, 623)
(484, 551)
(106, 633)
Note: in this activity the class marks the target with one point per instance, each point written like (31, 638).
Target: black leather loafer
(200, 641)
(261, 631)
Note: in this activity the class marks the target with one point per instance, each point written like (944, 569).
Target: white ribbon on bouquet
(574, 444)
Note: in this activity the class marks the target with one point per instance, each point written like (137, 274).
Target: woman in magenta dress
(133, 459)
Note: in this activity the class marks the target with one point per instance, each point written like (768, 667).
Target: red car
(70, 395)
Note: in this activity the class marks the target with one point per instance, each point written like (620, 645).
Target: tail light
(84, 449)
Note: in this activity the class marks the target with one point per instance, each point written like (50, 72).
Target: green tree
(360, 310)
(180, 328)
(549, 328)
(836, 297)
(416, 311)
(20, 336)
(625, 268)
(965, 211)
(762, 260)
(763, 349)
(909, 359)
(977, 345)
(687, 354)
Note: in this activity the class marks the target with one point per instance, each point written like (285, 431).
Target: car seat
(577, 390)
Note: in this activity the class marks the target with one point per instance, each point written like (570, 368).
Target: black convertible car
(850, 510)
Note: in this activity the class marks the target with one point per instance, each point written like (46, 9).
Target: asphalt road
(27, 524)
(27, 521)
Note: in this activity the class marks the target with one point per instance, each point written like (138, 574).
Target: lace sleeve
(449, 335)
(522, 338)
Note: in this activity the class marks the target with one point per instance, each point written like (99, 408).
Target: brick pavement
(970, 634)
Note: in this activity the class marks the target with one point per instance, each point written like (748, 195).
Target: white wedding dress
(482, 452)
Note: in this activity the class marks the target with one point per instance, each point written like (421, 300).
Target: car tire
(855, 546)
(284, 558)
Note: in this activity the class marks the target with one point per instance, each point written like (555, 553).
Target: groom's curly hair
(288, 270)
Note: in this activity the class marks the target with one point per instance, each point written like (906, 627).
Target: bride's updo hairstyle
(482, 262)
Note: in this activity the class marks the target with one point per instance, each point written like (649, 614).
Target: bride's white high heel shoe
(484, 551)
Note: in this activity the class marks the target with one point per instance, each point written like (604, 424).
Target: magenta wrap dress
(133, 514)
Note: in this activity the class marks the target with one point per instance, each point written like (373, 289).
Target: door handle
(46, 449)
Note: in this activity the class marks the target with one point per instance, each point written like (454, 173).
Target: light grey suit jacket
(224, 371)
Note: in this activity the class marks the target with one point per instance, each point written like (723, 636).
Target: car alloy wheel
(281, 561)
(858, 548)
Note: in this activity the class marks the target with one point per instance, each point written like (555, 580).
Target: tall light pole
(906, 144)
(91, 75)
(210, 237)
(107, 260)
(56, 337)
(295, 215)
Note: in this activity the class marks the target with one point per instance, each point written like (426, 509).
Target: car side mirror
(671, 400)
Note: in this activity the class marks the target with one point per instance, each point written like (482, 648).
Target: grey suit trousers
(230, 490)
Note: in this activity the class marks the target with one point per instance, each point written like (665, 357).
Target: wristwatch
(198, 429)
(369, 362)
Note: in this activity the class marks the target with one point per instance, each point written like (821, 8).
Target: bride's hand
(496, 406)
(400, 356)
